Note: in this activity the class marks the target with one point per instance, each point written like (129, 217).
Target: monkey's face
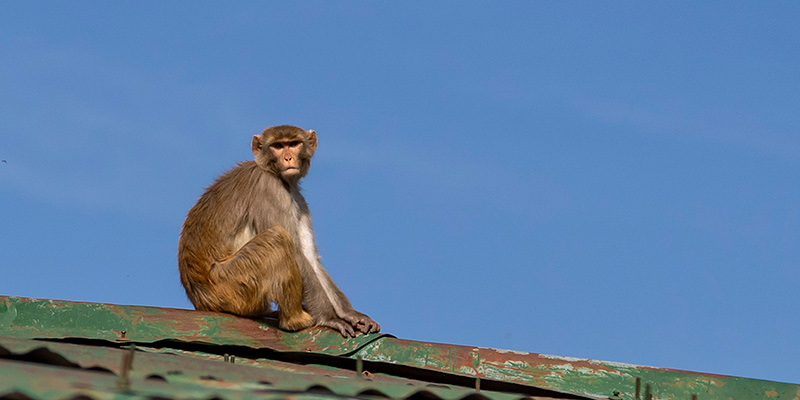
(286, 153)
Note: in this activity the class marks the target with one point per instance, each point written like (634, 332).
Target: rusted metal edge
(41, 318)
(89, 323)
(584, 376)
(244, 374)
(34, 318)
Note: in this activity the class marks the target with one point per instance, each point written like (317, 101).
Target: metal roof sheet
(53, 349)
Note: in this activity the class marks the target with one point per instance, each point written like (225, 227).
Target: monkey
(248, 242)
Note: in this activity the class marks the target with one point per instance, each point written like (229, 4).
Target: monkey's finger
(367, 325)
(362, 326)
(375, 328)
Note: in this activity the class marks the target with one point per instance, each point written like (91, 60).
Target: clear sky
(616, 181)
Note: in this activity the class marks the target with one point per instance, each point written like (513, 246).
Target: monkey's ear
(312, 139)
(256, 145)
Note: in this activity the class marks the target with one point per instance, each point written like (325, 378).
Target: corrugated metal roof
(63, 350)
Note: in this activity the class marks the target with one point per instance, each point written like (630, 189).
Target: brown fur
(241, 248)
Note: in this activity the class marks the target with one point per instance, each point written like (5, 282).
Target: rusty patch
(36, 318)
(469, 367)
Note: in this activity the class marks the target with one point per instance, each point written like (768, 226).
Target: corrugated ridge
(48, 371)
(493, 370)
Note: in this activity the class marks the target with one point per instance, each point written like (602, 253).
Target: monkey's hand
(362, 322)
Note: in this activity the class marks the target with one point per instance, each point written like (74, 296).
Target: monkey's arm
(328, 305)
(325, 302)
(345, 310)
(318, 303)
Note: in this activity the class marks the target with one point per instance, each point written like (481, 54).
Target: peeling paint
(25, 319)
(35, 318)
(521, 353)
(468, 371)
(562, 358)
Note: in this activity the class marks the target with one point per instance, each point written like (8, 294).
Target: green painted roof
(53, 349)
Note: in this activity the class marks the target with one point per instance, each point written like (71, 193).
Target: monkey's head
(285, 151)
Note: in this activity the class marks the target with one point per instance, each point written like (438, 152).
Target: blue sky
(614, 181)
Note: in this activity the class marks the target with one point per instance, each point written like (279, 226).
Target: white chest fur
(307, 245)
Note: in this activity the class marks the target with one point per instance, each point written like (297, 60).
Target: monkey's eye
(295, 143)
(276, 145)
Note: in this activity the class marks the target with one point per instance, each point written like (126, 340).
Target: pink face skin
(287, 152)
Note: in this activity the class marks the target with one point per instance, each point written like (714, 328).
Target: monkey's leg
(262, 271)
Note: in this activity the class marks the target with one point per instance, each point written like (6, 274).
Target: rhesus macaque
(248, 242)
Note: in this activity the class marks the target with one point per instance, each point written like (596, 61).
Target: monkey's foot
(296, 322)
(340, 325)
